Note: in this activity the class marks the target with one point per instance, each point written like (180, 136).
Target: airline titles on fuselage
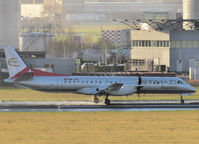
(144, 82)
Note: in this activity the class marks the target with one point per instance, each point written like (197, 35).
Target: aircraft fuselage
(92, 84)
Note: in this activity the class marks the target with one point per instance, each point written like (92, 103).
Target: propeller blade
(139, 80)
(139, 85)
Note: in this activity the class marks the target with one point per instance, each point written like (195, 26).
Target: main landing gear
(106, 101)
(181, 99)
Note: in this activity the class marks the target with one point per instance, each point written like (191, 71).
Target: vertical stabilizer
(16, 65)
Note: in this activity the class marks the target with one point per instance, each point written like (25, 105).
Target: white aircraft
(21, 75)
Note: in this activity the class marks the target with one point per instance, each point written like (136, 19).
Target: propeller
(139, 85)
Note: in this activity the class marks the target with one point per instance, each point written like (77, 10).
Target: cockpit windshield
(180, 82)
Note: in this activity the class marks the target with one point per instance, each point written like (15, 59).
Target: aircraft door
(59, 84)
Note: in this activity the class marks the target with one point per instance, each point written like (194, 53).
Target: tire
(182, 101)
(107, 102)
(96, 100)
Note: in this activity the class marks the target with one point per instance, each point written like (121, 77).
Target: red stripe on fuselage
(36, 73)
(43, 73)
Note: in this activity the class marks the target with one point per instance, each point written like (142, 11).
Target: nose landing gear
(181, 99)
(95, 99)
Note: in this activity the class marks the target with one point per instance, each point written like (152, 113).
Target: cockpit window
(180, 82)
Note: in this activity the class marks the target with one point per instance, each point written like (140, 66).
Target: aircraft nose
(192, 89)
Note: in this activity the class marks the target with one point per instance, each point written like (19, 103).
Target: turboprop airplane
(21, 75)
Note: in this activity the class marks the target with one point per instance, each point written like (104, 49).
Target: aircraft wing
(113, 87)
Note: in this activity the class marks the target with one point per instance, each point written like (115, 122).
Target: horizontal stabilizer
(25, 76)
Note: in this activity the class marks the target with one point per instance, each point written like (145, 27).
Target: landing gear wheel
(107, 101)
(181, 100)
(95, 100)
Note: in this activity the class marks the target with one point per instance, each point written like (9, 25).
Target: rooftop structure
(190, 11)
(160, 24)
(103, 11)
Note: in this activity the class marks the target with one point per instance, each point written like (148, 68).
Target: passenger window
(149, 82)
(100, 82)
(172, 82)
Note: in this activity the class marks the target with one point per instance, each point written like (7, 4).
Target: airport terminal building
(173, 50)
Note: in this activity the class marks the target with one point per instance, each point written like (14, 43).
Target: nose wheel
(181, 100)
(95, 99)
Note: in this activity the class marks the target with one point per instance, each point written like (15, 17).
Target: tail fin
(16, 66)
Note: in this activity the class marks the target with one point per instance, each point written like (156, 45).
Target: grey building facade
(184, 49)
(176, 50)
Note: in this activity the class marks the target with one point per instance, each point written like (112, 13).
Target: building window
(140, 43)
(178, 44)
(190, 44)
(167, 43)
(195, 44)
(164, 44)
(138, 62)
(149, 43)
(158, 43)
(184, 44)
(172, 44)
(136, 43)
